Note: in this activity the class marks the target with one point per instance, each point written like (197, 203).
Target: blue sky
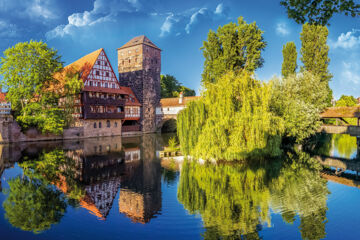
(179, 28)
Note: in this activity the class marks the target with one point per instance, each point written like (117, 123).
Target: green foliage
(289, 64)
(346, 101)
(314, 53)
(26, 69)
(319, 11)
(232, 121)
(170, 87)
(233, 47)
(189, 125)
(299, 100)
(32, 205)
(345, 144)
(233, 199)
(173, 144)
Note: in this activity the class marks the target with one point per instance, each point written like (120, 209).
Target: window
(107, 74)
(97, 73)
(99, 124)
(123, 62)
(119, 109)
(105, 63)
(106, 85)
(115, 124)
(91, 83)
(108, 123)
(98, 84)
(129, 60)
(156, 61)
(113, 85)
(98, 62)
(94, 124)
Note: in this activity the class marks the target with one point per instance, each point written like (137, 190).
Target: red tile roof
(139, 40)
(3, 97)
(174, 102)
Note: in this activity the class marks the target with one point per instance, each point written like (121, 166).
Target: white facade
(169, 110)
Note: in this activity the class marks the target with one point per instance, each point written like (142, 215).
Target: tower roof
(139, 40)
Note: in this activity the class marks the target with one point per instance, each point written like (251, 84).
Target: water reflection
(87, 174)
(125, 178)
(235, 200)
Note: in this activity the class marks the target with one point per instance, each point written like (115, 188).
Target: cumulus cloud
(282, 29)
(347, 40)
(7, 30)
(351, 72)
(103, 11)
(219, 9)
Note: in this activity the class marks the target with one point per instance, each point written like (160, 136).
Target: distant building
(172, 106)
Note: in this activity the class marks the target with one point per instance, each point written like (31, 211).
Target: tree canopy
(171, 87)
(319, 12)
(346, 101)
(28, 71)
(314, 53)
(234, 47)
(289, 64)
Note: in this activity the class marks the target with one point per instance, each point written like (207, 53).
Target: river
(120, 188)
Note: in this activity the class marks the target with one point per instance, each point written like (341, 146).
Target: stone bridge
(166, 113)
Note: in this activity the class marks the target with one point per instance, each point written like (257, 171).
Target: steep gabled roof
(139, 40)
(89, 59)
(132, 95)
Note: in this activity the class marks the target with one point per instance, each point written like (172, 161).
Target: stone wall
(10, 131)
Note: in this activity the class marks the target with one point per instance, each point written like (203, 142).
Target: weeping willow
(232, 121)
(232, 200)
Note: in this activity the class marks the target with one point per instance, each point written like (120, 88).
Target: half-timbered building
(103, 105)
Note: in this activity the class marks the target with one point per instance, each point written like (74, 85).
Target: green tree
(314, 53)
(319, 11)
(171, 87)
(346, 101)
(27, 68)
(289, 64)
(298, 100)
(233, 47)
(32, 205)
(235, 121)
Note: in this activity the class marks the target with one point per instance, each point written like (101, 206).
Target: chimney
(181, 97)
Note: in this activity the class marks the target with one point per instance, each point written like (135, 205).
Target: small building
(5, 108)
(172, 106)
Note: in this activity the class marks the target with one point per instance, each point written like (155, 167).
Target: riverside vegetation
(240, 117)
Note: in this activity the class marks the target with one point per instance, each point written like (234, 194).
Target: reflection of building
(140, 193)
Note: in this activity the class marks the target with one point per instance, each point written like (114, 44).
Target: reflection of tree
(299, 190)
(233, 200)
(32, 205)
(54, 167)
(345, 144)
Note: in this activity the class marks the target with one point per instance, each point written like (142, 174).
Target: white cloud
(178, 23)
(219, 9)
(168, 24)
(282, 29)
(194, 18)
(103, 11)
(37, 10)
(7, 30)
(351, 72)
(347, 40)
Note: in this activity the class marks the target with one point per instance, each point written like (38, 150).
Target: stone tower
(139, 65)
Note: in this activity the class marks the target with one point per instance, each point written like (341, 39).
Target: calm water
(119, 188)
